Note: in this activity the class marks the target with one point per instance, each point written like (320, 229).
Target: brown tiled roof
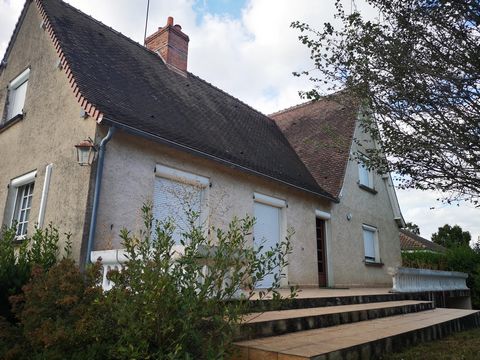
(411, 241)
(321, 132)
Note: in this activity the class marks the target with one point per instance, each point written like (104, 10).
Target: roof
(121, 83)
(321, 132)
(411, 241)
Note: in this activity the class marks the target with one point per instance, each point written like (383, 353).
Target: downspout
(96, 194)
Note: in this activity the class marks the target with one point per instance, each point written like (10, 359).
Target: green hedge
(460, 258)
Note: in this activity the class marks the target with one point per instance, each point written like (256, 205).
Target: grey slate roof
(134, 89)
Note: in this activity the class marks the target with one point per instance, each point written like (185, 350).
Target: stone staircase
(348, 327)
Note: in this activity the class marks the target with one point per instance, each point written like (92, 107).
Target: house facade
(167, 137)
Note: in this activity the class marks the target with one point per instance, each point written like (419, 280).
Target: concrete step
(363, 341)
(334, 298)
(270, 323)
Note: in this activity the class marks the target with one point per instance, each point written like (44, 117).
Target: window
(17, 90)
(365, 175)
(370, 243)
(19, 202)
(23, 205)
(177, 194)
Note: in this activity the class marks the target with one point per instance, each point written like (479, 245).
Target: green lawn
(464, 345)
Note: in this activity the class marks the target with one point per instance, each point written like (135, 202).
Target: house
(410, 241)
(164, 135)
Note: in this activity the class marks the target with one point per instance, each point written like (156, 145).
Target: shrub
(162, 305)
(170, 306)
(17, 259)
(424, 260)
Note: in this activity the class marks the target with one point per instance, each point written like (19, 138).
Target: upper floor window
(17, 89)
(365, 175)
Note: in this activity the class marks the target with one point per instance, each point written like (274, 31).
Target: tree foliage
(412, 228)
(417, 69)
(451, 236)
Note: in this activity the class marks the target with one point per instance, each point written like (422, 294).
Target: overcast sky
(247, 48)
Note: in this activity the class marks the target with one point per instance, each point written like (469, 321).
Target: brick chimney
(171, 43)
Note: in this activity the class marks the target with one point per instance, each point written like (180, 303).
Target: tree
(451, 236)
(417, 69)
(412, 228)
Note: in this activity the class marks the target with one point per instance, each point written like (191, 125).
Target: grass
(463, 345)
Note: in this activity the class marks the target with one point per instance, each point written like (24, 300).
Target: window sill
(367, 188)
(19, 239)
(10, 122)
(373, 263)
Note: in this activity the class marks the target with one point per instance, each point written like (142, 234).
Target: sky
(247, 48)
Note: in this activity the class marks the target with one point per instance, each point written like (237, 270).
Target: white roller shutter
(173, 199)
(266, 232)
(369, 244)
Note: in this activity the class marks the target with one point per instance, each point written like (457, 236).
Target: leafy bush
(424, 260)
(17, 259)
(457, 258)
(162, 305)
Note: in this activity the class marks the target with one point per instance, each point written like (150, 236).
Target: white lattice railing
(417, 280)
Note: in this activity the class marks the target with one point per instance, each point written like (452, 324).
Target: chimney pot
(171, 43)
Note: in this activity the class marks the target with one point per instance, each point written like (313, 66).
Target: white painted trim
(43, 200)
(269, 200)
(322, 214)
(20, 79)
(181, 176)
(369, 227)
(24, 179)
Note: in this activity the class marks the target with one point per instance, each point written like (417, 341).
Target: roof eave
(137, 132)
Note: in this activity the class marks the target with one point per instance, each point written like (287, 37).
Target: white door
(266, 232)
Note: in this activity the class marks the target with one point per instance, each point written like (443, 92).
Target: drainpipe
(96, 195)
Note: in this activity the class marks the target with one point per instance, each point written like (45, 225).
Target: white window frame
(13, 96)
(16, 185)
(184, 177)
(373, 230)
(363, 171)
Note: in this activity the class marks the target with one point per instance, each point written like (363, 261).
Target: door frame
(325, 216)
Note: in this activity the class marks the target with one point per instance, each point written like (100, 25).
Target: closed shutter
(266, 232)
(16, 100)
(175, 200)
(369, 243)
(364, 175)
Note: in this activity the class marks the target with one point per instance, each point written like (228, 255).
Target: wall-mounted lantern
(86, 151)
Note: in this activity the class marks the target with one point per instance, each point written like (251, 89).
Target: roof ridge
(118, 33)
(291, 108)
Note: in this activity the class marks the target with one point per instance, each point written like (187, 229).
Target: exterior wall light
(86, 151)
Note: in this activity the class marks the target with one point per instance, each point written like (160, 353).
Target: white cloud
(252, 58)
